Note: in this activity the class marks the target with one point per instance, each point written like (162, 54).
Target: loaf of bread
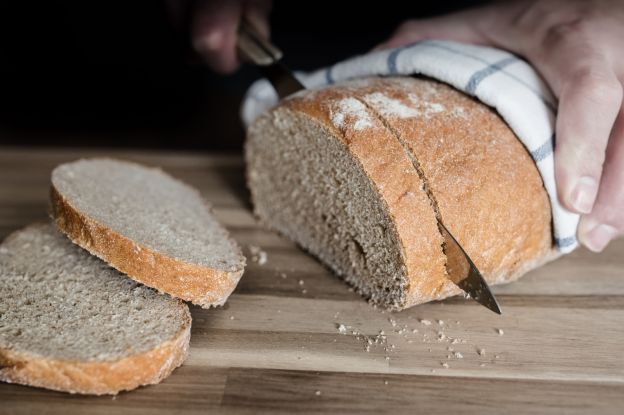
(360, 173)
(146, 224)
(71, 323)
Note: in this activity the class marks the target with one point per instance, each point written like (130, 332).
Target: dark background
(120, 74)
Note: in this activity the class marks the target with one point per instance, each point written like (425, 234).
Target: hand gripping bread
(71, 323)
(359, 174)
(149, 226)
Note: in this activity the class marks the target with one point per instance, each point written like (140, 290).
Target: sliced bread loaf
(148, 225)
(360, 173)
(71, 323)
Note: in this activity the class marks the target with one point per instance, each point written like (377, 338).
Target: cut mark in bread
(403, 111)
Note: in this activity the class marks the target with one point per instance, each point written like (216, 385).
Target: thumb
(462, 27)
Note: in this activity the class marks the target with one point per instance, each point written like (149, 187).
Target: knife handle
(253, 47)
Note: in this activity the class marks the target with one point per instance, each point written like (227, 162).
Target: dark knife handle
(252, 46)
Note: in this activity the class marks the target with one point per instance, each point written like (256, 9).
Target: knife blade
(254, 48)
(464, 273)
(459, 267)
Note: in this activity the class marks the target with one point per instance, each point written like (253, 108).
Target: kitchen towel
(493, 76)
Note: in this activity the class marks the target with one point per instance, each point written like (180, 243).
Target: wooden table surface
(276, 346)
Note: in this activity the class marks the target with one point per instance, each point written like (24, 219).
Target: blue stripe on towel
(544, 150)
(565, 242)
(436, 45)
(394, 55)
(329, 76)
(479, 76)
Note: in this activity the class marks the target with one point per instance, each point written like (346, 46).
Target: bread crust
(198, 284)
(484, 183)
(97, 377)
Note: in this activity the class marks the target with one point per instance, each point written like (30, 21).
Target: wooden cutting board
(294, 338)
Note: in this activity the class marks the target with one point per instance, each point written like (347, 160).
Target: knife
(253, 47)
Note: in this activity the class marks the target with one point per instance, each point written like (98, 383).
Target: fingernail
(598, 238)
(584, 194)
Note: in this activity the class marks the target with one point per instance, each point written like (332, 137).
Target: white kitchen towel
(495, 77)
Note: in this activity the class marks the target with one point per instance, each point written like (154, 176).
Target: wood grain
(275, 347)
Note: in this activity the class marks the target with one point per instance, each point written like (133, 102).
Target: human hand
(576, 46)
(214, 26)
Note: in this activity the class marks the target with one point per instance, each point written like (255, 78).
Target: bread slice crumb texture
(325, 172)
(148, 225)
(70, 322)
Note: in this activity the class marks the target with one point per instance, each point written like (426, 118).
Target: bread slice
(71, 323)
(359, 175)
(149, 226)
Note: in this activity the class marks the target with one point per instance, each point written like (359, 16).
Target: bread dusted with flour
(71, 323)
(359, 173)
(148, 225)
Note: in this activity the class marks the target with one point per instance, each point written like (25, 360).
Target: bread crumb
(432, 370)
(301, 282)
(496, 357)
(387, 357)
(317, 393)
(481, 352)
(414, 331)
(482, 365)
(392, 321)
(231, 317)
(458, 355)
(342, 329)
(500, 332)
(283, 275)
(258, 255)
(385, 382)
(425, 322)
(441, 322)
(304, 291)
(445, 365)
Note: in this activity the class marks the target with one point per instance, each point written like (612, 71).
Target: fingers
(462, 27)
(257, 13)
(215, 25)
(590, 96)
(606, 221)
(589, 104)
(213, 33)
